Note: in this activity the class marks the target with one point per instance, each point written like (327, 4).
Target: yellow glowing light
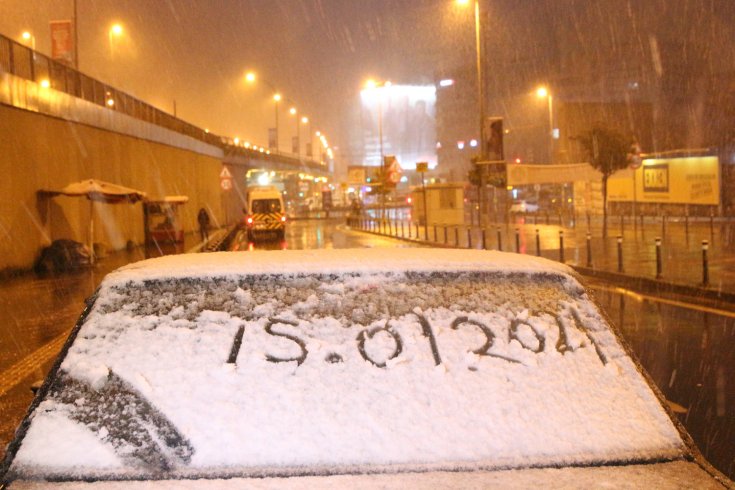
(292, 111)
(206, 130)
(250, 77)
(237, 140)
(463, 2)
(277, 97)
(110, 102)
(318, 133)
(304, 119)
(542, 92)
(116, 30)
(45, 83)
(26, 36)
(371, 84)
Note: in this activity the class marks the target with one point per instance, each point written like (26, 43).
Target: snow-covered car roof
(297, 363)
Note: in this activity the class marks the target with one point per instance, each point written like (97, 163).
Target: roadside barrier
(476, 237)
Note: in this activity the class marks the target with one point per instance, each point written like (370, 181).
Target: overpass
(59, 125)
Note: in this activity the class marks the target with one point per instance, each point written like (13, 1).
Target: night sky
(318, 53)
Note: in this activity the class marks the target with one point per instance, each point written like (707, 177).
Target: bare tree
(608, 152)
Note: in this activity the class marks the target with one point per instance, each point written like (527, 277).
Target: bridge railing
(21, 61)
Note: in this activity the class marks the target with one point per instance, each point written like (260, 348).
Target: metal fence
(23, 62)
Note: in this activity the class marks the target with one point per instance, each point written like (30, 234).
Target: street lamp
(276, 99)
(29, 38)
(250, 77)
(116, 30)
(371, 84)
(541, 93)
(480, 93)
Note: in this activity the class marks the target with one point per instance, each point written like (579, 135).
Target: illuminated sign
(398, 120)
(690, 180)
(656, 178)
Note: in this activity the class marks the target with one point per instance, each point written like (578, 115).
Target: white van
(265, 213)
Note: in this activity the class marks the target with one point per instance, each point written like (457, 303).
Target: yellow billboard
(688, 180)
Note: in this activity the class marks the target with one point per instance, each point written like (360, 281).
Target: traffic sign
(226, 184)
(422, 166)
(225, 173)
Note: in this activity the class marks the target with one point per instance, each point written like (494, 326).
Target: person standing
(203, 219)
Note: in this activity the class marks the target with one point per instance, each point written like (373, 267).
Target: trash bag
(63, 255)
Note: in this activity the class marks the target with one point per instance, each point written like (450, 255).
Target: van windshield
(266, 206)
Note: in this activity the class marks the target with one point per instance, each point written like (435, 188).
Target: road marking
(19, 371)
(641, 297)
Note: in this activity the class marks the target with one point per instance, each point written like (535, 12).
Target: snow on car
(335, 365)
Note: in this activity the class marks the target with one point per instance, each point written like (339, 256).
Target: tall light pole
(276, 99)
(29, 39)
(304, 120)
(543, 92)
(373, 85)
(116, 30)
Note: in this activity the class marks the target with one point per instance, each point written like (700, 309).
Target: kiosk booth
(162, 220)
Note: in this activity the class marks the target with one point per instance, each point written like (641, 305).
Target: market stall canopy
(99, 191)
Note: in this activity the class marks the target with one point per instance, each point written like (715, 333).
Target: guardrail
(23, 62)
(553, 243)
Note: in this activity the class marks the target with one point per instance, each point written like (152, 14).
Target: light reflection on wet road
(688, 352)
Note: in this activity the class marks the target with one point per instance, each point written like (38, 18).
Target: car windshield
(266, 206)
(339, 373)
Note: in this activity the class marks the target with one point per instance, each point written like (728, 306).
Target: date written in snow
(534, 339)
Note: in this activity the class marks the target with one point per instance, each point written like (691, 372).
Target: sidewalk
(681, 247)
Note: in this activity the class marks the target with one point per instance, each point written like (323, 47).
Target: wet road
(688, 350)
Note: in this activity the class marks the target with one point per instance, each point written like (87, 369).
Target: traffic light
(493, 144)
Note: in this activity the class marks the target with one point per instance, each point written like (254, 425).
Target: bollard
(500, 241)
(589, 249)
(622, 224)
(663, 225)
(435, 233)
(620, 253)
(518, 241)
(589, 221)
(469, 238)
(659, 272)
(446, 240)
(538, 244)
(561, 246)
(403, 234)
(426, 232)
(417, 231)
(705, 264)
(456, 236)
(484, 239)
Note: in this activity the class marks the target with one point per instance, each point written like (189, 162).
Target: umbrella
(99, 191)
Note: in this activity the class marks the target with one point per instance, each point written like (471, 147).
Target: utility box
(445, 203)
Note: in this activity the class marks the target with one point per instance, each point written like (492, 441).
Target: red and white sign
(62, 41)
(225, 179)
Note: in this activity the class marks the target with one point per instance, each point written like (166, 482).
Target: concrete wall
(43, 152)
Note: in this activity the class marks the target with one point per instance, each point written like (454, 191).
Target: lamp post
(276, 99)
(304, 120)
(480, 95)
(115, 31)
(543, 92)
(373, 85)
(29, 39)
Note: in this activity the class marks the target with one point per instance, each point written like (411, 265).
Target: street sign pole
(422, 167)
